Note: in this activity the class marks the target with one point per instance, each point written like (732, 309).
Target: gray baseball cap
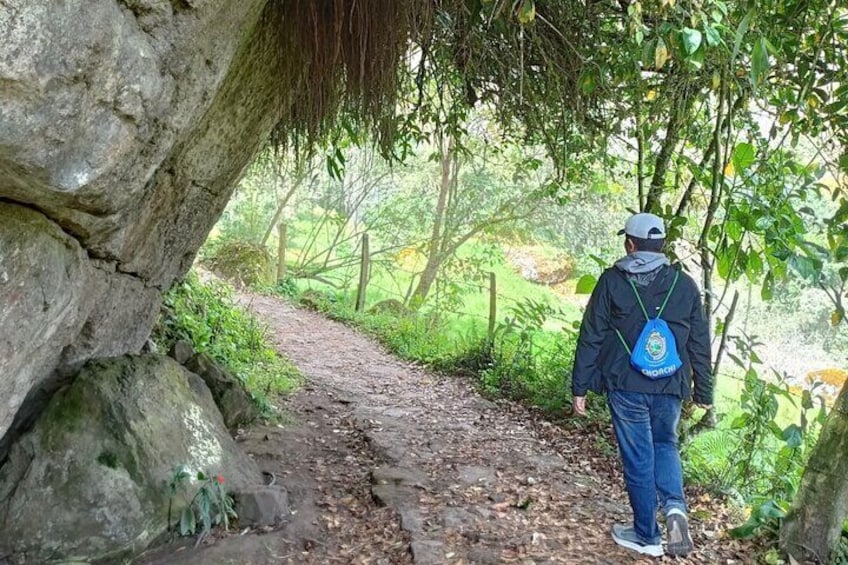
(644, 226)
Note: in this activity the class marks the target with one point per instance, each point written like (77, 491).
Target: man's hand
(579, 405)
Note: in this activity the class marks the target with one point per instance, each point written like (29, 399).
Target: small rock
(472, 536)
(484, 404)
(181, 352)
(547, 463)
(392, 496)
(397, 476)
(484, 555)
(427, 552)
(410, 519)
(458, 518)
(475, 475)
(483, 512)
(262, 506)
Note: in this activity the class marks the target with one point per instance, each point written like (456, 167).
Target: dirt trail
(388, 463)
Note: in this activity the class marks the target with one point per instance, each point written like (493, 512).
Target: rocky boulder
(124, 126)
(234, 402)
(104, 448)
(56, 309)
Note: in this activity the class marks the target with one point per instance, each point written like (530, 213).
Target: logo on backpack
(655, 346)
(655, 353)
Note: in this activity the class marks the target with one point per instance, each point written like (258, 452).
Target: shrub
(206, 316)
(757, 460)
(532, 366)
(246, 264)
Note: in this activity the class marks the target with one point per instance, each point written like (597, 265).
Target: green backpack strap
(644, 311)
(668, 295)
(624, 343)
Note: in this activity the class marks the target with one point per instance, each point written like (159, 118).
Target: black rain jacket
(602, 364)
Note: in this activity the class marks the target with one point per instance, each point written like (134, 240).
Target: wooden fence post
(493, 304)
(364, 269)
(281, 252)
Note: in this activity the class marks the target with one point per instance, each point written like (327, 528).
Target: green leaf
(587, 82)
(793, 435)
(586, 284)
(188, 525)
(205, 507)
(743, 157)
(736, 360)
(806, 399)
(691, 39)
(660, 54)
(696, 59)
(741, 30)
(725, 261)
(805, 267)
(761, 515)
(527, 12)
(755, 265)
(769, 510)
(773, 557)
(837, 106)
(759, 61)
(746, 530)
(764, 222)
(734, 231)
(843, 162)
(739, 422)
(767, 292)
(712, 36)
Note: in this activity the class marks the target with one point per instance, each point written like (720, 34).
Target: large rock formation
(87, 482)
(124, 125)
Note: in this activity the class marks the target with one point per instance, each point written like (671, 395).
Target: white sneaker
(625, 536)
(679, 539)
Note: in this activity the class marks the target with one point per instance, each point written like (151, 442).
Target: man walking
(645, 403)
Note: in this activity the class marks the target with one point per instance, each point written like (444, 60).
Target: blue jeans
(646, 428)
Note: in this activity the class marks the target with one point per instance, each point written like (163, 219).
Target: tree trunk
(716, 189)
(640, 156)
(434, 256)
(814, 524)
(281, 252)
(676, 123)
(280, 207)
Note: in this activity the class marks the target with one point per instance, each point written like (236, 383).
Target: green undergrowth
(244, 263)
(756, 455)
(528, 365)
(206, 315)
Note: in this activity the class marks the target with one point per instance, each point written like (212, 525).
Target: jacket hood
(642, 266)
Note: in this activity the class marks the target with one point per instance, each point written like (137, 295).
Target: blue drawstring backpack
(655, 353)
